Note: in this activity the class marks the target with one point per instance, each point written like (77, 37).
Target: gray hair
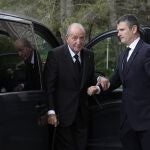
(77, 25)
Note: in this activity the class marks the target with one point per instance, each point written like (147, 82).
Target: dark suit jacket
(136, 86)
(33, 73)
(29, 73)
(65, 94)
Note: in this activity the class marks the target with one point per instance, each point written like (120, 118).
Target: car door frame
(25, 107)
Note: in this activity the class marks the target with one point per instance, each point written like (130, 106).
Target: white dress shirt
(73, 54)
(132, 47)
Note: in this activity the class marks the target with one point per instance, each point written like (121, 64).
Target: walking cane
(54, 134)
(53, 138)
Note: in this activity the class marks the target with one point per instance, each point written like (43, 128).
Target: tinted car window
(15, 74)
(8, 61)
(43, 48)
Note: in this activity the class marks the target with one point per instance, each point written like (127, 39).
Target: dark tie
(77, 63)
(77, 66)
(125, 57)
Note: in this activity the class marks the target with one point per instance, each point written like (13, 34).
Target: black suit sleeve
(51, 78)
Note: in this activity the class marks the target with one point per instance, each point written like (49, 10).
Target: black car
(22, 113)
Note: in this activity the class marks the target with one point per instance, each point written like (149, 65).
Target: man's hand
(52, 120)
(92, 90)
(104, 82)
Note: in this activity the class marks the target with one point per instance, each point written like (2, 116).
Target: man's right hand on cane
(103, 82)
(52, 120)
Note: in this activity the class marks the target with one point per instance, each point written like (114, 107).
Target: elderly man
(70, 71)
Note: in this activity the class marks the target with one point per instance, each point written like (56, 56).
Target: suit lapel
(70, 63)
(133, 56)
(85, 64)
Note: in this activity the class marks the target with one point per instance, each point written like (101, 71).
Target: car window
(17, 74)
(45, 40)
(106, 53)
(43, 48)
(8, 61)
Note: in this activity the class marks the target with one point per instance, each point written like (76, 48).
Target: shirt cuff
(51, 112)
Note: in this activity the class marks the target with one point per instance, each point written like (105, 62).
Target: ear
(66, 38)
(134, 28)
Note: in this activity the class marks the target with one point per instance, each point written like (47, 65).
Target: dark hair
(130, 19)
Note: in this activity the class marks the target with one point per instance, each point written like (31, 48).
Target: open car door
(20, 111)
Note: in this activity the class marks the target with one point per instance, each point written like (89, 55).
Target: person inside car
(26, 75)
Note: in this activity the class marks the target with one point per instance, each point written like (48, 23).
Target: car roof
(6, 16)
(16, 17)
(38, 26)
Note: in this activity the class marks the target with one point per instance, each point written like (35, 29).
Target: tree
(96, 15)
(112, 12)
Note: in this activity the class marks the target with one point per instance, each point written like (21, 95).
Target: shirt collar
(72, 53)
(134, 43)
